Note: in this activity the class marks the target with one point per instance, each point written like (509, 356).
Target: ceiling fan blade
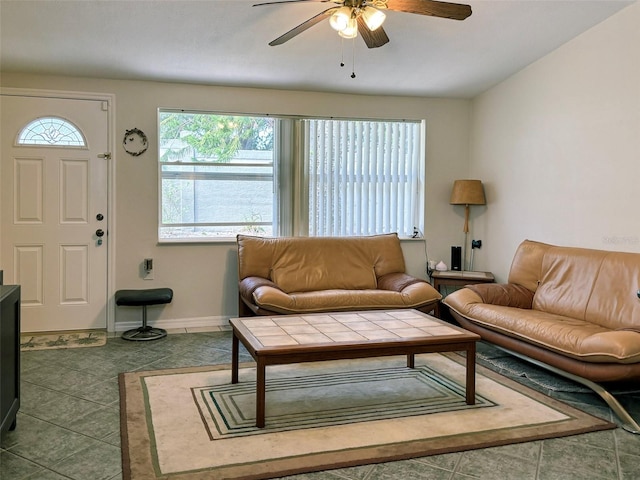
(373, 38)
(290, 1)
(455, 11)
(302, 27)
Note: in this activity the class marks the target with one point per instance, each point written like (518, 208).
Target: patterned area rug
(93, 338)
(193, 424)
(338, 398)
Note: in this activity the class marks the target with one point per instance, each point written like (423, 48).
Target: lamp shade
(351, 30)
(340, 19)
(373, 18)
(467, 192)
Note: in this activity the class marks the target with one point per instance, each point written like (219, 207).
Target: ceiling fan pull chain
(353, 60)
(341, 51)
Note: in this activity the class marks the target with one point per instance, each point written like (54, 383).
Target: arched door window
(51, 131)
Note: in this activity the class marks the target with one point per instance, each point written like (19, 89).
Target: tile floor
(68, 424)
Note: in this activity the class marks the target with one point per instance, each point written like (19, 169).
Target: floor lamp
(467, 192)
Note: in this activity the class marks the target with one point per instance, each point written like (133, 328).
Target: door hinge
(106, 155)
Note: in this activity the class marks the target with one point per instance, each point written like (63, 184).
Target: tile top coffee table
(288, 339)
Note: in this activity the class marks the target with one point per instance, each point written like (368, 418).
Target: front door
(54, 214)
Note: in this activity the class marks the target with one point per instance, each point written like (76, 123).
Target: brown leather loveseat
(574, 311)
(291, 275)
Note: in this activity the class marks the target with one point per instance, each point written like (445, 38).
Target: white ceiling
(225, 42)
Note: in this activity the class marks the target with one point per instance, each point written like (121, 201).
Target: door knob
(99, 232)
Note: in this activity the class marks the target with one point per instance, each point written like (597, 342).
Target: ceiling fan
(350, 17)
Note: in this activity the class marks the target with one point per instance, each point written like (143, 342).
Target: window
(216, 175)
(364, 177)
(227, 174)
(51, 131)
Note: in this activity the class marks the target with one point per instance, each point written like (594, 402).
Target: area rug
(193, 424)
(92, 338)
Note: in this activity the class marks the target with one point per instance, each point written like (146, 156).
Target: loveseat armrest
(249, 285)
(415, 292)
(397, 281)
(257, 293)
(503, 294)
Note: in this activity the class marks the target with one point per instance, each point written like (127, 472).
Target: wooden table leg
(260, 394)
(234, 358)
(471, 374)
(411, 360)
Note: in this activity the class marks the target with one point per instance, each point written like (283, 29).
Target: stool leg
(144, 332)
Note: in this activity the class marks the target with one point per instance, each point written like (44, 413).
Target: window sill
(232, 240)
(196, 241)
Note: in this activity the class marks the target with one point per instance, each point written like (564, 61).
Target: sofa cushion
(594, 285)
(274, 299)
(306, 264)
(567, 281)
(614, 302)
(323, 266)
(597, 286)
(526, 266)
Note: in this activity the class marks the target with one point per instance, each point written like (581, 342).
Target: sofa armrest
(250, 284)
(506, 295)
(503, 294)
(397, 282)
(414, 292)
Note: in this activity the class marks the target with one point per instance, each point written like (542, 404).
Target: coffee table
(289, 339)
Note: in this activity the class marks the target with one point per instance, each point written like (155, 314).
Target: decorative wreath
(135, 142)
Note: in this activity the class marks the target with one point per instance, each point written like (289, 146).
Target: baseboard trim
(177, 323)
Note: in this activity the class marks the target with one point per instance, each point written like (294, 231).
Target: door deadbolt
(99, 217)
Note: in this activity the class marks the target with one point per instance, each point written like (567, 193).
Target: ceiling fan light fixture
(340, 19)
(373, 17)
(351, 31)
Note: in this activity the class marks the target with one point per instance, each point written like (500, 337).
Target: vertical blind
(363, 176)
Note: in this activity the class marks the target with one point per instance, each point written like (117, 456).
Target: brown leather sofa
(290, 275)
(574, 311)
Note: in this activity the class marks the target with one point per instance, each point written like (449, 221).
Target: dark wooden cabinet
(9, 355)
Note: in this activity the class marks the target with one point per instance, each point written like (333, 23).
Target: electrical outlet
(147, 269)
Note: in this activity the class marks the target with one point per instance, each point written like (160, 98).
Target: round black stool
(143, 298)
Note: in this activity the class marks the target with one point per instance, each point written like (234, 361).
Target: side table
(452, 278)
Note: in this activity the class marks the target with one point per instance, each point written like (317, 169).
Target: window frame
(201, 239)
(22, 138)
(302, 228)
(290, 178)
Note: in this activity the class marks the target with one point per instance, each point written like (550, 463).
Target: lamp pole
(467, 192)
(465, 229)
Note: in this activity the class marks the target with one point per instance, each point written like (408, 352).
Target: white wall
(558, 148)
(204, 276)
